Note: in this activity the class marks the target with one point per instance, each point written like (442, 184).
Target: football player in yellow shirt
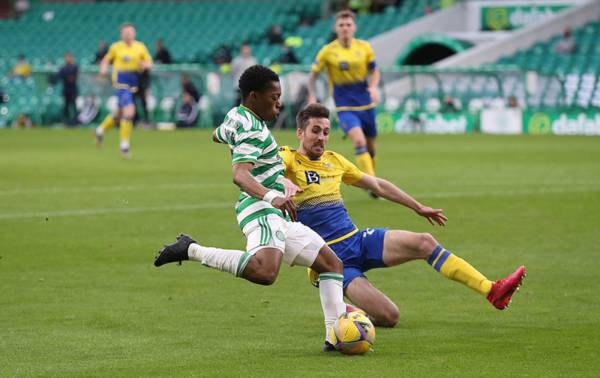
(128, 58)
(353, 78)
(317, 174)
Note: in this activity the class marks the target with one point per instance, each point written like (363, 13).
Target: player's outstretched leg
(380, 309)
(503, 289)
(402, 246)
(330, 270)
(261, 268)
(174, 252)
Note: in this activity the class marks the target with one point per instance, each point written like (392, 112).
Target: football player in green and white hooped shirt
(262, 206)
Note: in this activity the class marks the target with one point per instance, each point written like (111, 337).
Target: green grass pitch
(79, 228)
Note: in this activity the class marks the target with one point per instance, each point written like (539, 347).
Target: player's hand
(434, 216)
(374, 94)
(290, 188)
(101, 78)
(286, 205)
(311, 100)
(144, 65)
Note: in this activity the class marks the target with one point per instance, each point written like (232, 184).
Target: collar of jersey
(342, 46)
(254, 114)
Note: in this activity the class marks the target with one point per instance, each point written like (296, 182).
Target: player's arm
(220, 134)
(290, 188)
(374, 78)
(146, 61)
(215, 137)
(104, 63)
(312, 87)
(317, 67)
(391, 192)
(374, 74)
(242, 177)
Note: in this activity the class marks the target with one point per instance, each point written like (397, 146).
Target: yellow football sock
(125, 129)
(459, 270)
(364, 160)
(107, 123)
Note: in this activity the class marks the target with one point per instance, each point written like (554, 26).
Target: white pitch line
(225, 205)
(113, 188)
(101, 211)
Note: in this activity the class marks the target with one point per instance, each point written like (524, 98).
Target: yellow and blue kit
(321, 207)
(348, 69)
(126, 61)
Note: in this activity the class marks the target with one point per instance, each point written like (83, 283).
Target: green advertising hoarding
(426, 122)
(512, 17)
(567, 122)
(534, 122)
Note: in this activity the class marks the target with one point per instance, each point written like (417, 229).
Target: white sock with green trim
(332, 299)
(225, 260)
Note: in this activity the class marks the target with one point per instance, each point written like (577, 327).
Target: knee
(427, 244)
(266, 277)
(360, 143)
(331, 263)
(388, 318)
(259, 273)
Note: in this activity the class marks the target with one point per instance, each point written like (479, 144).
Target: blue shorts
(362, 118)
(360, 252)
(124, 96)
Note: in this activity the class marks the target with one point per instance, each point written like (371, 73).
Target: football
(354, 332)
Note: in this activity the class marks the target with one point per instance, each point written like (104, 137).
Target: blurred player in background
(319, 173)
(128, 58)
(353, 76)
(262, 206)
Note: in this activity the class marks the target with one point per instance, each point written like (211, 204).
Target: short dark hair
(256, 78)
(311, 111)
(126, 24)
(345, 14)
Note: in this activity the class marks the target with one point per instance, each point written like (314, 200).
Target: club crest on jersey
(279, 235)
(312, 177)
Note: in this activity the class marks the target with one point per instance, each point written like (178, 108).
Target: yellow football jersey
(126, 62)
(320, 205)
(347, 70)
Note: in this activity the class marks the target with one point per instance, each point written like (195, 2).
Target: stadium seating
(191, 30)
(579, 70)
(563, 80)
(368, 25)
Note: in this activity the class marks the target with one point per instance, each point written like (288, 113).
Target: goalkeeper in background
(128, 58)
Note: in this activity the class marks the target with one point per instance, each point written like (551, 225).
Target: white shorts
(299, 244)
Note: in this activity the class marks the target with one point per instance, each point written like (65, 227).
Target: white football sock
(225, 260)
(331, 291)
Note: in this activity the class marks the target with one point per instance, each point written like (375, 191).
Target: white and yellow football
(354, 332)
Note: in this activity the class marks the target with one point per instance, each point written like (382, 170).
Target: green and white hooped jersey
(251, 141)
